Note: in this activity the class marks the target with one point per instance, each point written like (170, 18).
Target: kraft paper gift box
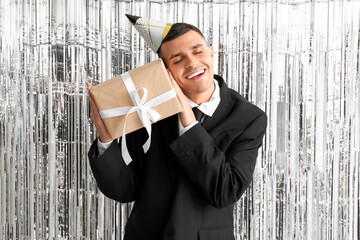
(113, 94)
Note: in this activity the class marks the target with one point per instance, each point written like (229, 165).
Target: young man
(186, 185)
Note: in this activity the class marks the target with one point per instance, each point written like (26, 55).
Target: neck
(199, 98)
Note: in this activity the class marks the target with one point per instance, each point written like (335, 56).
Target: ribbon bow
(143, 109)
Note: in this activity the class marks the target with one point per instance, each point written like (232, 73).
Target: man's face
(190, 61)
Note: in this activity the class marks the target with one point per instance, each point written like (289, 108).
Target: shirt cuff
(103, 146)
(183, 129)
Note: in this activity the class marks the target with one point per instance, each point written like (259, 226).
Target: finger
(94, 109)
(89, 86)
(173, 81)
(170, 74)
(96, 118)
(175, 84)
(177, 89)
(92, 103)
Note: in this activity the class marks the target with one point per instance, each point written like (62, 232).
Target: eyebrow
(193, 47)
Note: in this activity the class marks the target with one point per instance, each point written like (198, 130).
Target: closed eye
(177, 61)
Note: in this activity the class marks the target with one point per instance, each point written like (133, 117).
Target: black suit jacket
(185, 187)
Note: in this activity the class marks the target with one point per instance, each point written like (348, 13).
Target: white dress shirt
(208, 108)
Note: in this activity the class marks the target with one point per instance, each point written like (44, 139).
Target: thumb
(89, 86)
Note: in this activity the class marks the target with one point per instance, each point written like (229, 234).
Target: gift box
(125, 94)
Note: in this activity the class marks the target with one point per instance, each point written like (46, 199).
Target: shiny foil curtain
(297, 60)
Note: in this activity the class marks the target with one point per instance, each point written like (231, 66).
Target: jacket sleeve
(114, 178)
(221, 176)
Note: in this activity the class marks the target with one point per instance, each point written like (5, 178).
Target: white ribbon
(144, 110)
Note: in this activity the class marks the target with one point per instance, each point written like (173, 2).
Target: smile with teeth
(196, 74)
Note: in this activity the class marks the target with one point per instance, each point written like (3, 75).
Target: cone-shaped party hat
(152, 31)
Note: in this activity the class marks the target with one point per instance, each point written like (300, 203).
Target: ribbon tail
(146, 145)
(147, 124)
(124, 150)
(153, 115)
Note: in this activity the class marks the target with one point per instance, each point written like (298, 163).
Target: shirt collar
(208, 108)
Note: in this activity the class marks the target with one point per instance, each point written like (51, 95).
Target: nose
(190, 61)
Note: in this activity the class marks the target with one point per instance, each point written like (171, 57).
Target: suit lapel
(222, 110)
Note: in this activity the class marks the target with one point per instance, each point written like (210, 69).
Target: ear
(211, 51)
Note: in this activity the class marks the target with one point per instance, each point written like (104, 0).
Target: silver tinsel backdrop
(298, 60)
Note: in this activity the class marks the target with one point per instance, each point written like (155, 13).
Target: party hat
(152, 31)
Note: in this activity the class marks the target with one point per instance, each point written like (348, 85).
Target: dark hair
(178, 29)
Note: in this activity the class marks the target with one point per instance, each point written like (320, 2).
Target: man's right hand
(103, 134)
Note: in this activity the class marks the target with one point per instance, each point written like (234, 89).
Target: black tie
(198, 115)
